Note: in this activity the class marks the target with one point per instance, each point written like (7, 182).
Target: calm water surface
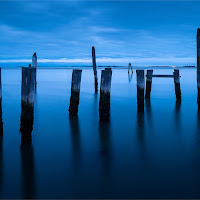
(150, 155)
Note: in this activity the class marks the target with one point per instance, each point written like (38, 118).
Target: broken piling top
(176, 76)
(28, 85)
(106, 76)
(34, 60)
(140, 78)
(76, 80)
(149, 72)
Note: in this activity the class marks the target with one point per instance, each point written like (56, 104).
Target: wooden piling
(94, 69)
(140, 90)
(27, 104)
(148, 84)
(34, 64)
(177, 85)
(28, 84)
(104, 102)
(75, 92)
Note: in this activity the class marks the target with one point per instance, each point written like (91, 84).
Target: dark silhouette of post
(28, 171)
(1, 141)
(177, 85)
(76, 141)
(148, 84)
(1, 121)
(104, 102)
(0, 86)
(140, 90)
(34, 64)
(27, 103)
(130, 68)
(75, 92)
(198, 67)
(26, 128)
(94, 69)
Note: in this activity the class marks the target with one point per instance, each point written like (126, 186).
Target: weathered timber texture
(140, 90)
(28, 84)
(94, 69)
(75, 92)
(148, 84)
(104, 102)
(34, 64)
(27, 104)
(177, 85)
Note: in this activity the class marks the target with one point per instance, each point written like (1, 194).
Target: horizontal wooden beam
(160, 76)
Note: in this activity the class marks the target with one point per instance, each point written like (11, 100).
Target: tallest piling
(94, 69)
(34, 64)
(198, 67)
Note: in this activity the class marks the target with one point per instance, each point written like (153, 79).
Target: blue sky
(140, 32)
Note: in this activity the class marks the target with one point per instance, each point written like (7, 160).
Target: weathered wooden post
(177, 85)
(34, 64)
(94, 69)
(104, 102)
(140, 90)
(198, 68)
(26, 128)
(148, 84)
(75, 92)
(27, 104)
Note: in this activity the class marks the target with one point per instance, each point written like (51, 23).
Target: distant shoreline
(99, 67)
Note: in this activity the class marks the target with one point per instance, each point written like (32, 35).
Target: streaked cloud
(65, 31)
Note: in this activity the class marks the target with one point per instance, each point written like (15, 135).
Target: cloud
(110, 61)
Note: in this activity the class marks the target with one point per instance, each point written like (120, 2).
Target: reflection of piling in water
(104, 102)
(130, 76)
(177, 85)
(75, 134)
(140, 126)
(148, 84)
(148, 113)
(177, 116)
(94, 69)
(28, 171)
(140, 90)
(75, 92)
(27, 104)
(105, 150)
(34, 63)
(198, 68)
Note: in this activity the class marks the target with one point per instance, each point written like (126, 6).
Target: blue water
(150, 155)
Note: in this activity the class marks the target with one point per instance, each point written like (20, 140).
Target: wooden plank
(160, 76)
